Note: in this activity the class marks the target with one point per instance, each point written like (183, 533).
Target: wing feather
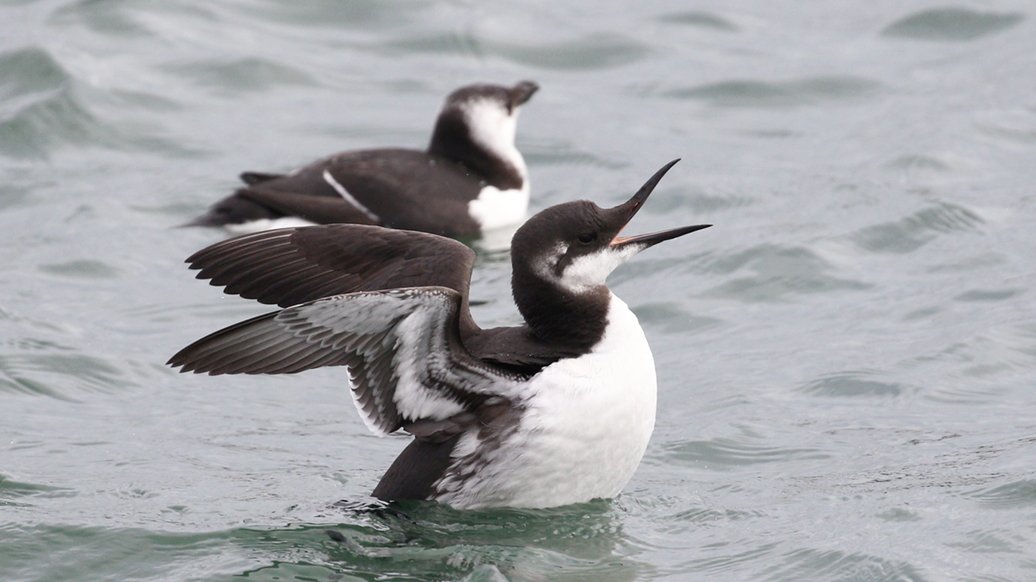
(401, 346)
(296, 265)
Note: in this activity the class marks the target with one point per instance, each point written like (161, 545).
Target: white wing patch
(411, 395)
(402, 348)
(402, 362)
(349, 197)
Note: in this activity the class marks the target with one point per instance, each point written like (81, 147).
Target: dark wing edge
(402, 348)
(259, 345)
(294, 265)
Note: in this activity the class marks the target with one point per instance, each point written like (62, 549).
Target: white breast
(585, 428)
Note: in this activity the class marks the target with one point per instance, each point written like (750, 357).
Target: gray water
(846, 361)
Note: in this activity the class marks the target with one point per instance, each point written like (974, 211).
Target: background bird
(470, 179)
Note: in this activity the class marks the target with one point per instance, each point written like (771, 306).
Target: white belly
(586, 424)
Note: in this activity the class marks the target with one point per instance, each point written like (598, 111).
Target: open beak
(625, 212)
(522, 92)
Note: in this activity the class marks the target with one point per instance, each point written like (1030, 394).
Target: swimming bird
(470, 179)
(555, 411)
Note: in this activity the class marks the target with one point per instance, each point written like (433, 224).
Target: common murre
(470, 179)
(556, 411)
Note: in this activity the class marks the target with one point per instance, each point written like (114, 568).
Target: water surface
(846, 361)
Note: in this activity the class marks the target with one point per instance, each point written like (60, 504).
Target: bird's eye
(587, 237)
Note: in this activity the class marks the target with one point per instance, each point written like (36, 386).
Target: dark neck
(557, 316)
(452, 140)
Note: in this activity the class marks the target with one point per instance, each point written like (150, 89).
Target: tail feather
(252, 178)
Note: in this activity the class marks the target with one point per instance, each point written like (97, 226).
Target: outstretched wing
(402, 348)
(295, 265)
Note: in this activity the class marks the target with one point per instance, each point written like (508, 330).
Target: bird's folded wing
(318, 209)
(291, 266)
(402, 348)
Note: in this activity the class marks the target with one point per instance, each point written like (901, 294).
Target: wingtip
(181, 362)
(176, 362)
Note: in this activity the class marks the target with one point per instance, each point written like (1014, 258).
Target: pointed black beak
(625, 212)
(522, 92)
(648, 240)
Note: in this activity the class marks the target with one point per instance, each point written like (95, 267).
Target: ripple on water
(563, 153)
(38, 108)
(1012, 495)
(355, 14)
(695, 199)
(987, 542)
(898, 514)
(42, 109)
(988, 295)
(434, 542)
(18, 192)
(703, 203)
(110, 19)
(82, 268)
(725, 453)
(967, 264)
(951, 24)
(54, 375)
(671, 317)
(700, 516)
(979, 367)
(236, 76)
(423, 543)
(28, 71)
(918, 161)
(117, 553)
(767, 94)
(814, 564)
(779, 273)
(1015, 126)
(595, 51)
(18, 494)
(722, 558)
(852, 384)
(699, 19)
(913, 232)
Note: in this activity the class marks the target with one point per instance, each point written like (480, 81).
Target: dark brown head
(567, 252)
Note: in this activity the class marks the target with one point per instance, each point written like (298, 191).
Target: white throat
(494, 128)
(585, 272)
